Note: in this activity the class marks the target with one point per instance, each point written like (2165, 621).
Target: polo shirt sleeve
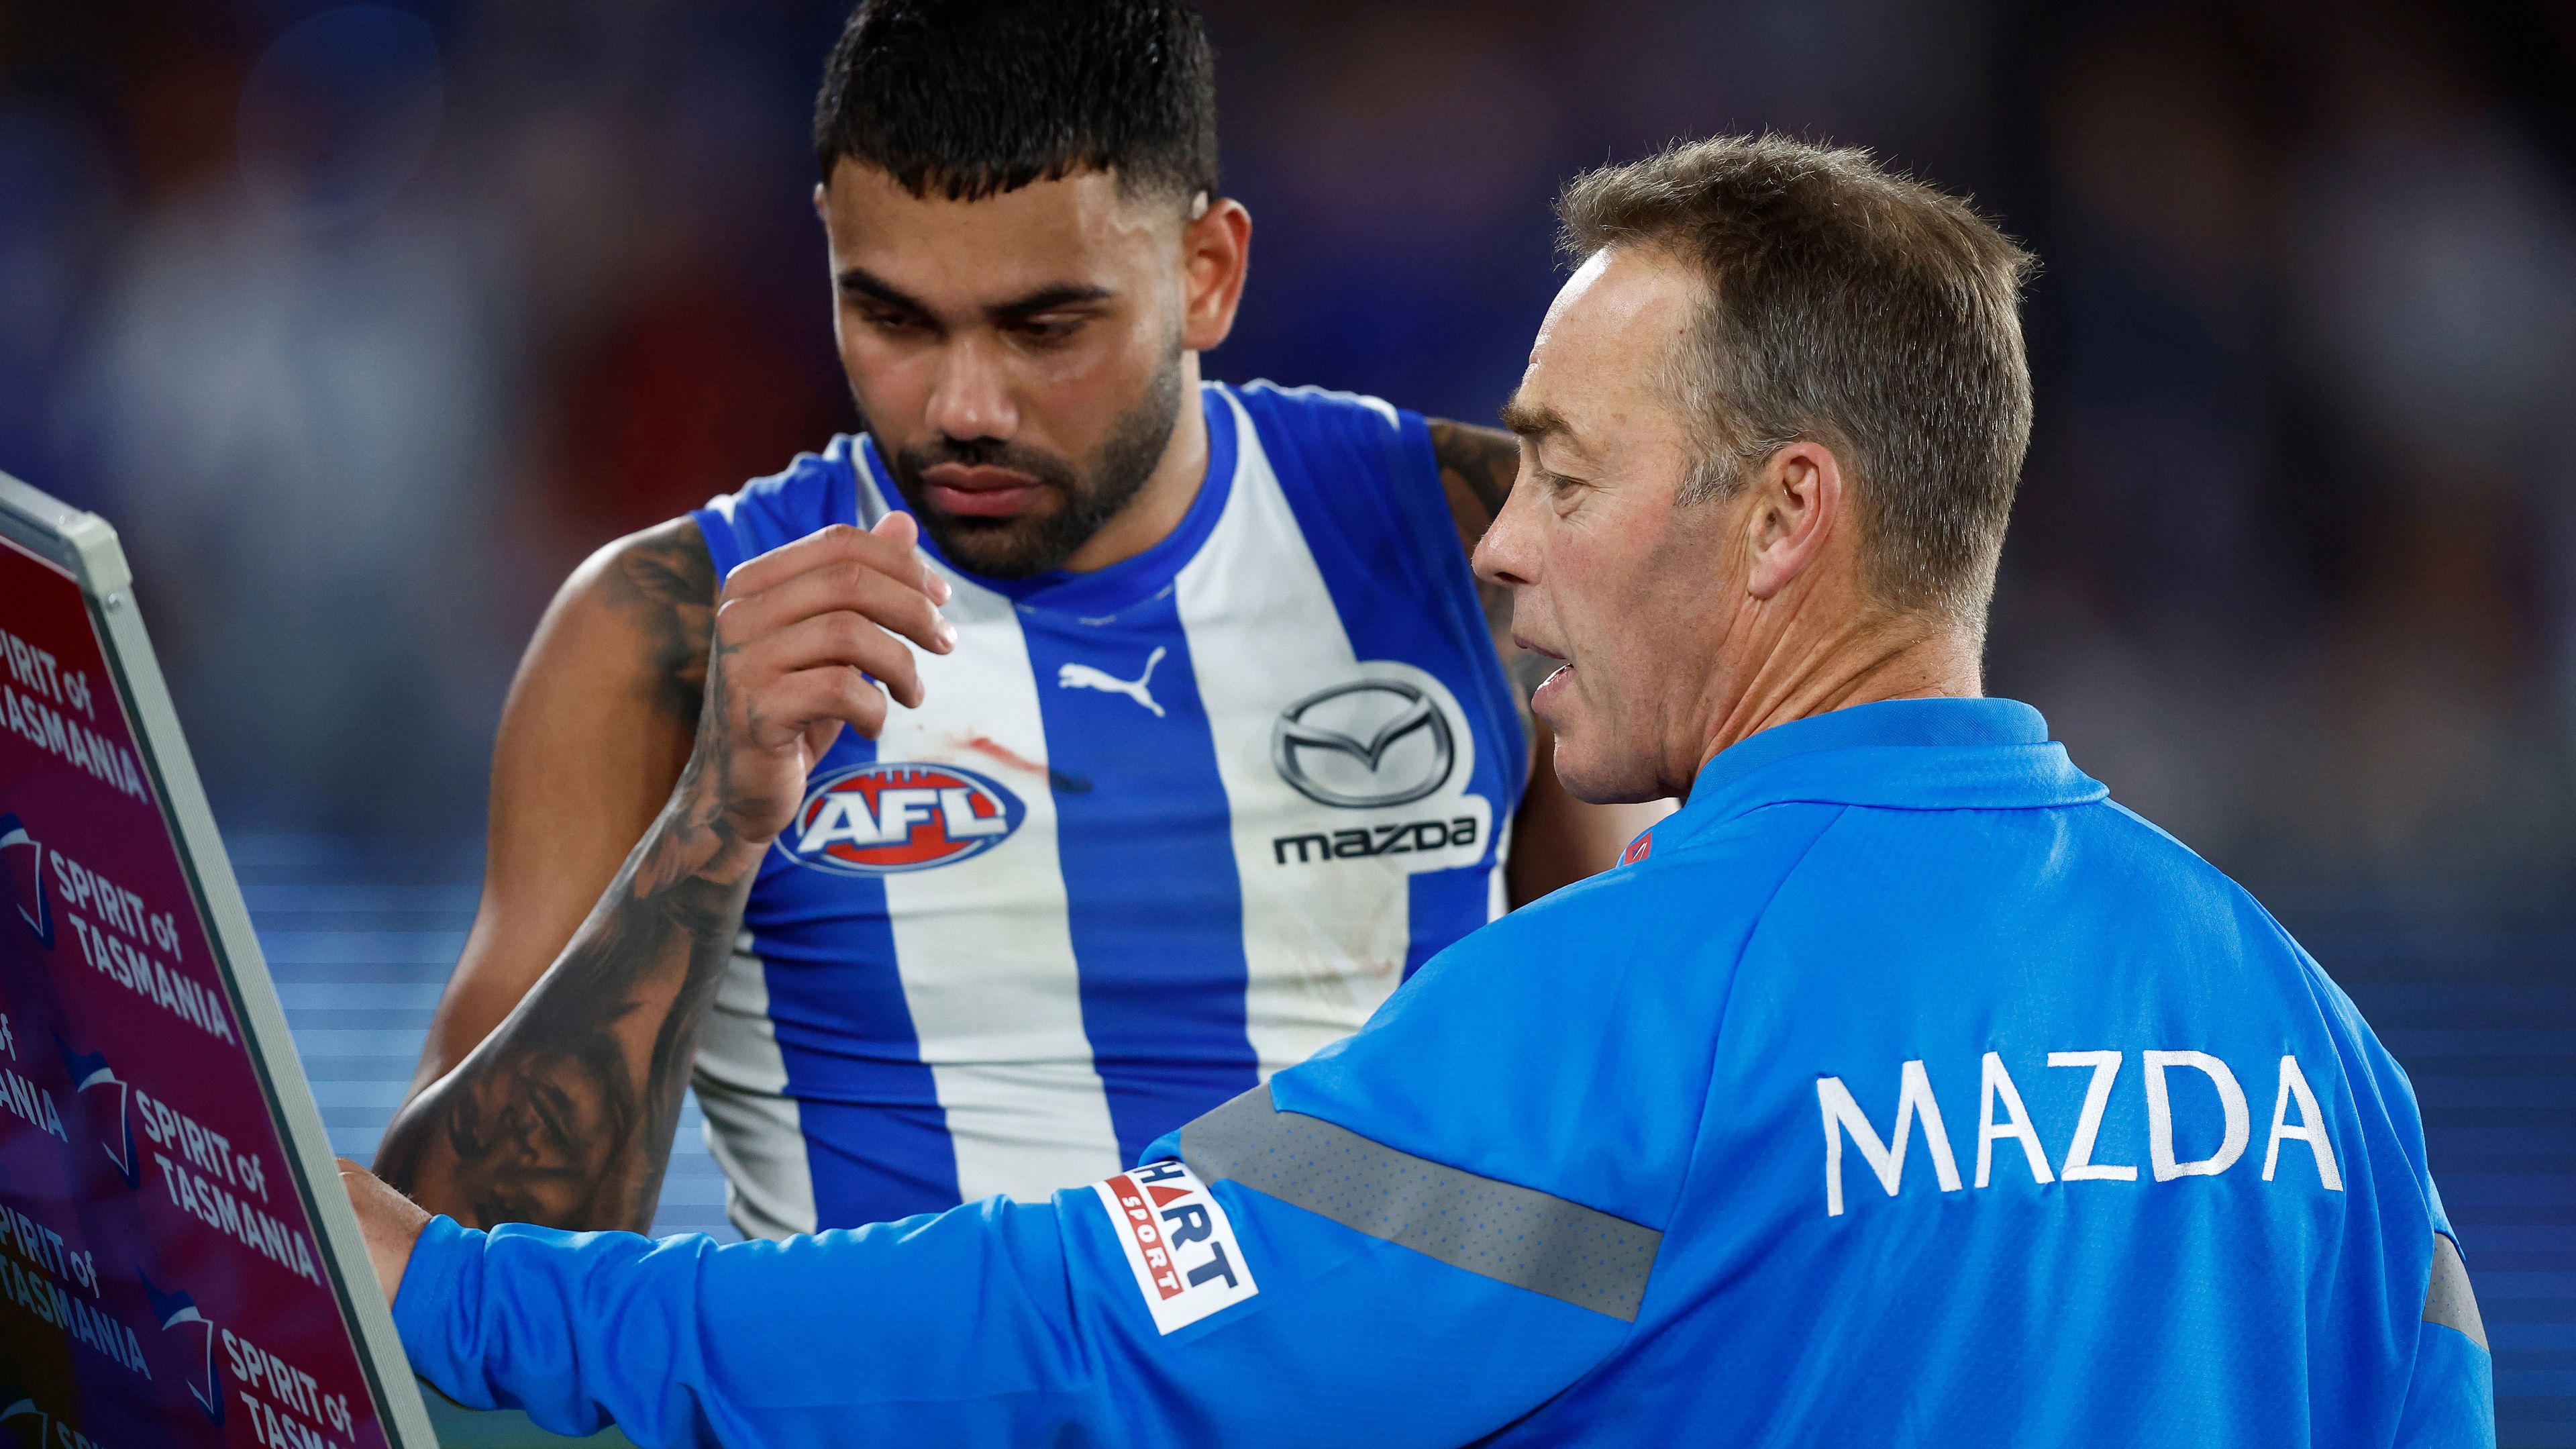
(1416, 1238)
(993, 1323)
(1266, 1277)
(2450, 1396)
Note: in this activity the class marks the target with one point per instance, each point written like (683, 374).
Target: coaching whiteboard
(178, 1264)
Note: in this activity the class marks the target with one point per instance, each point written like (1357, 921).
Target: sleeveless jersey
(1157, 832)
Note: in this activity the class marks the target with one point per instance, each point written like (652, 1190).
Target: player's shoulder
(808, 483)
(812, 491)
(1374, 422)
(680, 563)
(1335, 445)
(665, 565)
(641, 608)
(1357, 469)
(1322, 411)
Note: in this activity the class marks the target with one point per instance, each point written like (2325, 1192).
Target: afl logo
(1364, 745)
(889, 817)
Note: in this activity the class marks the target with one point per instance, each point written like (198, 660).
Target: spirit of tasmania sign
(163, 1280)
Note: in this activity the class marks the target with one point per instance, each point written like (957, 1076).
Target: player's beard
(1072, 504)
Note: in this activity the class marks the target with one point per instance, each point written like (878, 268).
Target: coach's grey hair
(1852, 307)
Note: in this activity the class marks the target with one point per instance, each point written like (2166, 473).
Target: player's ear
(1216, 250)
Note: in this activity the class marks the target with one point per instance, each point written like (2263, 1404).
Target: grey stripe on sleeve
(2448, 1299)
(1511, 1234)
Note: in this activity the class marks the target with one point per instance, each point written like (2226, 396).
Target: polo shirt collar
(1917, 754)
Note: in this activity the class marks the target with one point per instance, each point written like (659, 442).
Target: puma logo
(1083, 676)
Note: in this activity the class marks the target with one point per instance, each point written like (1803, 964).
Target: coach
(1900, 1089)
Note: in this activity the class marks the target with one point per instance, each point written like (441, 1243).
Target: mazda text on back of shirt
(2206, 1086)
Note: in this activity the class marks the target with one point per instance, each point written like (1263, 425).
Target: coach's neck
(1809, 631)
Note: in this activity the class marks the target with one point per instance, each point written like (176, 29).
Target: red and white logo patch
(1179, 1243)
(886, 817)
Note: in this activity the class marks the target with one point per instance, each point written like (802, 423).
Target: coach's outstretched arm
(565, 1112)
(991, 1324)
(1415, 1237)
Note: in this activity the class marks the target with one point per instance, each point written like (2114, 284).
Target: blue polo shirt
(1899, 1089)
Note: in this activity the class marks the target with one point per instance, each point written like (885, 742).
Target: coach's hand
(809, 637)
(389, 1221)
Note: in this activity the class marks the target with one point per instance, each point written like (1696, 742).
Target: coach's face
(1022, 359)
(1610, 572)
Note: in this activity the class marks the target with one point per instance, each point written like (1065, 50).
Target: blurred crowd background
(365, 322)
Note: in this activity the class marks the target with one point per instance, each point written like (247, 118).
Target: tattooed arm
(1556, 839)
(552, 1098)
(598, 725)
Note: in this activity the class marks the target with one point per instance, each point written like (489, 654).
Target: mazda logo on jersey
(1364, 745)
(888, 817)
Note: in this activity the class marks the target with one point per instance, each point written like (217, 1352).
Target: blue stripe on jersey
(1152, 901)
(1153, 905)
(1447, 904)
(876, 1140)
(1368, 498)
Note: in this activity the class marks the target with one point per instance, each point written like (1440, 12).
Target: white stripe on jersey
(752, 1124)
(986, 956)
(1263, 628)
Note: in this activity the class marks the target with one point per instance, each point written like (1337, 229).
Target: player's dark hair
(971, 98)
(1854, 307)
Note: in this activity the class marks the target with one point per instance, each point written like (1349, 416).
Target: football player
(1177, 735)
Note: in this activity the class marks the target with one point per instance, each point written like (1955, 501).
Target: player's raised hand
(809, 637)
(564, 1113)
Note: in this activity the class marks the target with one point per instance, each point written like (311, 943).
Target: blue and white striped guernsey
(1158, 832)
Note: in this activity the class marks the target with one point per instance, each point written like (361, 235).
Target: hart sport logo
(1180, 1244)
(890, 817)
(22, 865)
